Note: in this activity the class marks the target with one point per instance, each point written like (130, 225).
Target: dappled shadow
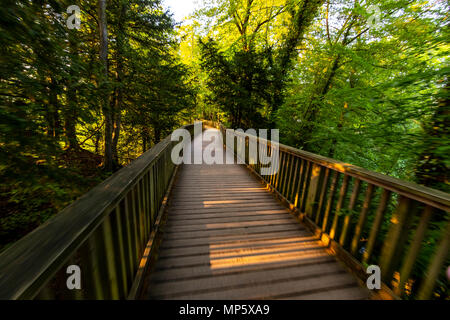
(227, 238)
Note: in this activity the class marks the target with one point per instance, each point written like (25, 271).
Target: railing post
(305, 187)
(413, 251)
(437, 261)
(299, 183)
(323, 194)
(126, 220)
(280, 172)
(347, 219)
(362, 219)
(376, 225)
(293, 182)
(339, 205)
(395, 238)
(311, 201)
(110, 263)
(330, 201)
(120, 243)
(286, 175)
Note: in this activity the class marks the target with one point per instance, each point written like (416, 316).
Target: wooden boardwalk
(227, 237)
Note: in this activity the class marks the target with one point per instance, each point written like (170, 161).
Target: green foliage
(52, 123)
(240, 85)
(375, 96)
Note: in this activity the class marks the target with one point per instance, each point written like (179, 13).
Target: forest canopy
(79, 103)
(364, 82)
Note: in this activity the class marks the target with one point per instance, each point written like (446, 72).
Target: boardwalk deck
(226, 237)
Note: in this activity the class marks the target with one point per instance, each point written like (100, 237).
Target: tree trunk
(301, 19)
(157, 133)
(119, 79)
(318, 96)
(70, 114)
(145, 139)
(314, 105)
(106, 108)
(54, 124)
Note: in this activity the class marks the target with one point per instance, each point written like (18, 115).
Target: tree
(67, 97)
(107, 109)
(254, 75)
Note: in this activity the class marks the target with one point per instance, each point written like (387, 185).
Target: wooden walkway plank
(232, 239)
(175, 274)
(226, 237)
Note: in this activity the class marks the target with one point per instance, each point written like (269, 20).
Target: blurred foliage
(52, 126)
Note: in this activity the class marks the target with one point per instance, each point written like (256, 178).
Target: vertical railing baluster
(149, 199)
(285, 174)
(274, 168)
(247, 150)
(305, 186)
(257, 166)
(135, 225)
(142, 215)
(77, 294)
(143, 232)
(293, 183)
(340, 203)
(91, 284)
(277, 167)
(362, 219)
(396, 237)
(261, 165)
(96, 259)
(300, 183)
(323, 194)
(351, 205)
(268, 178)
(112, 284)
(275, 171)
(158, 182)
(258, 156)
(119, 244)
(313, 190)
(385, 195)
(281, 170)
(127, 219)
(153, 194)
(414, 249)
(435, 266)
(331, 195)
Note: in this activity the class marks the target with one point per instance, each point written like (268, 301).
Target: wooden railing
(108, 233)
(364, 217)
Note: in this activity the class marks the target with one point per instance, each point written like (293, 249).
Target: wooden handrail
(327, 193)
(104, 232)
(433, 197)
